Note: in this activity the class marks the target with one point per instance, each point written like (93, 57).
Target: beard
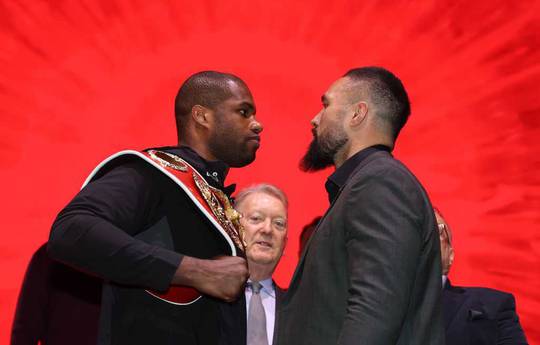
(322, 151)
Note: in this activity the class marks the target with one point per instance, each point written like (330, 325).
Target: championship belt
(212, 202)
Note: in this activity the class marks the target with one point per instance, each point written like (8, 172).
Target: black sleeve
(383, 244)
(94, 232)
(509, 329)
(30, 318)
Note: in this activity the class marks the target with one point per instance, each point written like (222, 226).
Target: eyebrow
(248, 105)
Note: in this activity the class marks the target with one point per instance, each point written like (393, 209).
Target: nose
(315, 120)
(256, 126)
(266, 227)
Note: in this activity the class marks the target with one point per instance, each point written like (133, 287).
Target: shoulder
(490, 296)
(127, 166)
(382, 166)
(483, 291)
(383, 174)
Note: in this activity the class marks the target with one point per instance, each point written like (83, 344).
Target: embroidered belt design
(217, 201)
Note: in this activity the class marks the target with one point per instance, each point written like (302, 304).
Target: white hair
(265, 188)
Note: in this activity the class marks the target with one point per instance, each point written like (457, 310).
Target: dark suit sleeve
(383, 243)
(508, 326)
(94, 232)
(30, 319)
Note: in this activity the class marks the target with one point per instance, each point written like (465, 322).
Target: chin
(245, 161)
(262, 259)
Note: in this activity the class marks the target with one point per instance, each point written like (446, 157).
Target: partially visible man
(306, 233)
(251, 320)
(371, 272)
(475, 315)
(150, 223)
(57, 305)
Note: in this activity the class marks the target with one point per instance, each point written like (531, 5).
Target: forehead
(259, 201)
(239, 91)
(339, 89)
(239, 96)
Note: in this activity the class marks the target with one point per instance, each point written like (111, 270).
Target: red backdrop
(80, 80)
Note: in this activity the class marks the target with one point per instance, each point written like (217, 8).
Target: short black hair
(388, 94)
(207, 89)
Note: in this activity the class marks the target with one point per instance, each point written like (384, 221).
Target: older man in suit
(370, 273)
(475, 315)
(251, 320)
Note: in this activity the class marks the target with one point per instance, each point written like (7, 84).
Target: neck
(198, 146)
(258, 272)
(356, 146)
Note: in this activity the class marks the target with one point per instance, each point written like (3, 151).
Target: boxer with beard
(370, 274)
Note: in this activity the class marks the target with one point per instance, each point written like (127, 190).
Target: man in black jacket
(133, 226)
(57, 305)
(475, 315)
(370, 274)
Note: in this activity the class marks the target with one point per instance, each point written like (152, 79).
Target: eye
(280, 223)
(243, 112)
(255, 219)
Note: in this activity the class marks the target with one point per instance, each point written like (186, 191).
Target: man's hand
(222, 278)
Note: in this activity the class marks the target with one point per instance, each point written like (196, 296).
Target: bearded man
(370, 273)
(157, 225)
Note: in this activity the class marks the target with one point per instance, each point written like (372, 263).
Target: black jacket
(480, 316)
(370, 273)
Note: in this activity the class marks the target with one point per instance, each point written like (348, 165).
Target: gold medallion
(168, 160)
(226, 215)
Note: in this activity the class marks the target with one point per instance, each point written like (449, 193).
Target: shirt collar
(341, 175)
(214, 172)
(267, 286)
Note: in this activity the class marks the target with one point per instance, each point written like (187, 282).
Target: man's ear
(201, 115)
(360, 113)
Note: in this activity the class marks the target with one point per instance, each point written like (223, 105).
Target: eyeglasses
(444, 231)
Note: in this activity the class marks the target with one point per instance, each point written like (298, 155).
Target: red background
(80, 80)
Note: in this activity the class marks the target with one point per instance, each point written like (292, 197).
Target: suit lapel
(279, 296)
(453, 299)
(243, 321)
(300, 266)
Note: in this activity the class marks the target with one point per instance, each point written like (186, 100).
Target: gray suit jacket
(371, 271)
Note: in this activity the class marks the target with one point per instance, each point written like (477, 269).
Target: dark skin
(226, 132)
(229, 133)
